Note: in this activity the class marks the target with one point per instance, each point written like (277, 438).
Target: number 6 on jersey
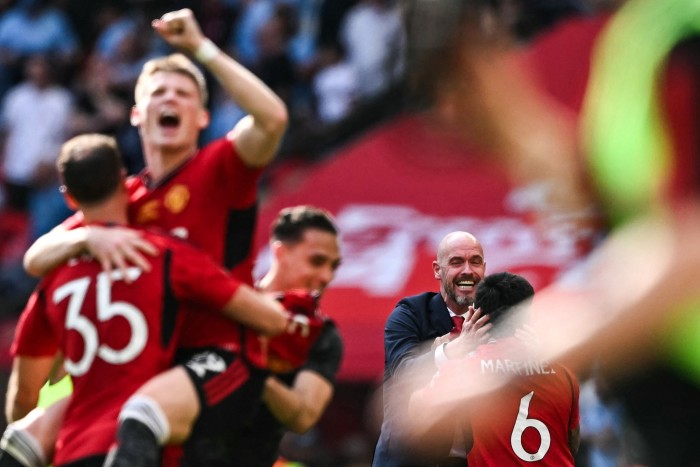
(523, 422)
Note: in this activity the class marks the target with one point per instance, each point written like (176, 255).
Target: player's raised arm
(257, 136)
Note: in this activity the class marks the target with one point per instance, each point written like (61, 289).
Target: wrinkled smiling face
(460, 271)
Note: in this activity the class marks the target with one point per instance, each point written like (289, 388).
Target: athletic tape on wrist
(206, 51)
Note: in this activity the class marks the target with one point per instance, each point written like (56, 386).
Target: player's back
(116, 335)
(527, 422)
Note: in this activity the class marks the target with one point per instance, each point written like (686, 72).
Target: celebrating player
(305, 255)
(106, 328)
(207, 195)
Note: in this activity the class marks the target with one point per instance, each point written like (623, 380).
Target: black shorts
(92, 461)
(228, 388)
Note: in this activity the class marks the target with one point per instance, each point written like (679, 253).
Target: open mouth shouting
(169, 119)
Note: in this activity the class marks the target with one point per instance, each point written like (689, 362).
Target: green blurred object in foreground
(626, 141)
(628, 147)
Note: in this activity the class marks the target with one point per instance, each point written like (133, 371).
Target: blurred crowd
(69, 67)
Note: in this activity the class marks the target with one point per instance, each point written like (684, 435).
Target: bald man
(420, 335)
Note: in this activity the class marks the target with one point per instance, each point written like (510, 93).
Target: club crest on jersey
(148, 212)
(177, 198)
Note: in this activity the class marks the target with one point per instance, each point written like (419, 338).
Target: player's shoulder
(164, 241)
(221, 147)
(330, 331)
(213, 160)
(326, 353)
(565, 372)
(73, 221)
(508, 349)
(330, 338)
(158, 237)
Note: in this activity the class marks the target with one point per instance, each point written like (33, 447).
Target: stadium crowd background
(69, 67)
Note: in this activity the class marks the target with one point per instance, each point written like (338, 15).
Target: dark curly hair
(497, 294)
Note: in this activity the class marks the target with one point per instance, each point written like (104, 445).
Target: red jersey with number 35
(211, 202)
(115, 336)
(527, 421)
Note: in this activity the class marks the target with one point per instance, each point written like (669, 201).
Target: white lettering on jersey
(206, 361)
(517, 367)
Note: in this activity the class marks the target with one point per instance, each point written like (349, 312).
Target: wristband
(206, 51)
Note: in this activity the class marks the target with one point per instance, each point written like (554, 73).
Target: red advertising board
(395, 193)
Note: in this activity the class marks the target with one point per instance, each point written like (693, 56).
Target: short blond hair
(174, 63)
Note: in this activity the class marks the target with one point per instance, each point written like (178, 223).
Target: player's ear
(70, 201)
(276, 249)
(135, 116)
(203, 119)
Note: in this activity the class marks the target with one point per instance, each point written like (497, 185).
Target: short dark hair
(498, 293)
(90, 167)
(292, 222)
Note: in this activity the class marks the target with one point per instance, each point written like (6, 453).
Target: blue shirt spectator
(51, 32)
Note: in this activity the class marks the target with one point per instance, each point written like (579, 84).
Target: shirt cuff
(440, 355)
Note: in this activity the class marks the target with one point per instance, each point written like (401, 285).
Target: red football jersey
(115, 336)
(210, 201)
(527, 421)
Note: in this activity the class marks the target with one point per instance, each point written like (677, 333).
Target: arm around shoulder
(112, 246)
(53, 249)
(257, 311)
